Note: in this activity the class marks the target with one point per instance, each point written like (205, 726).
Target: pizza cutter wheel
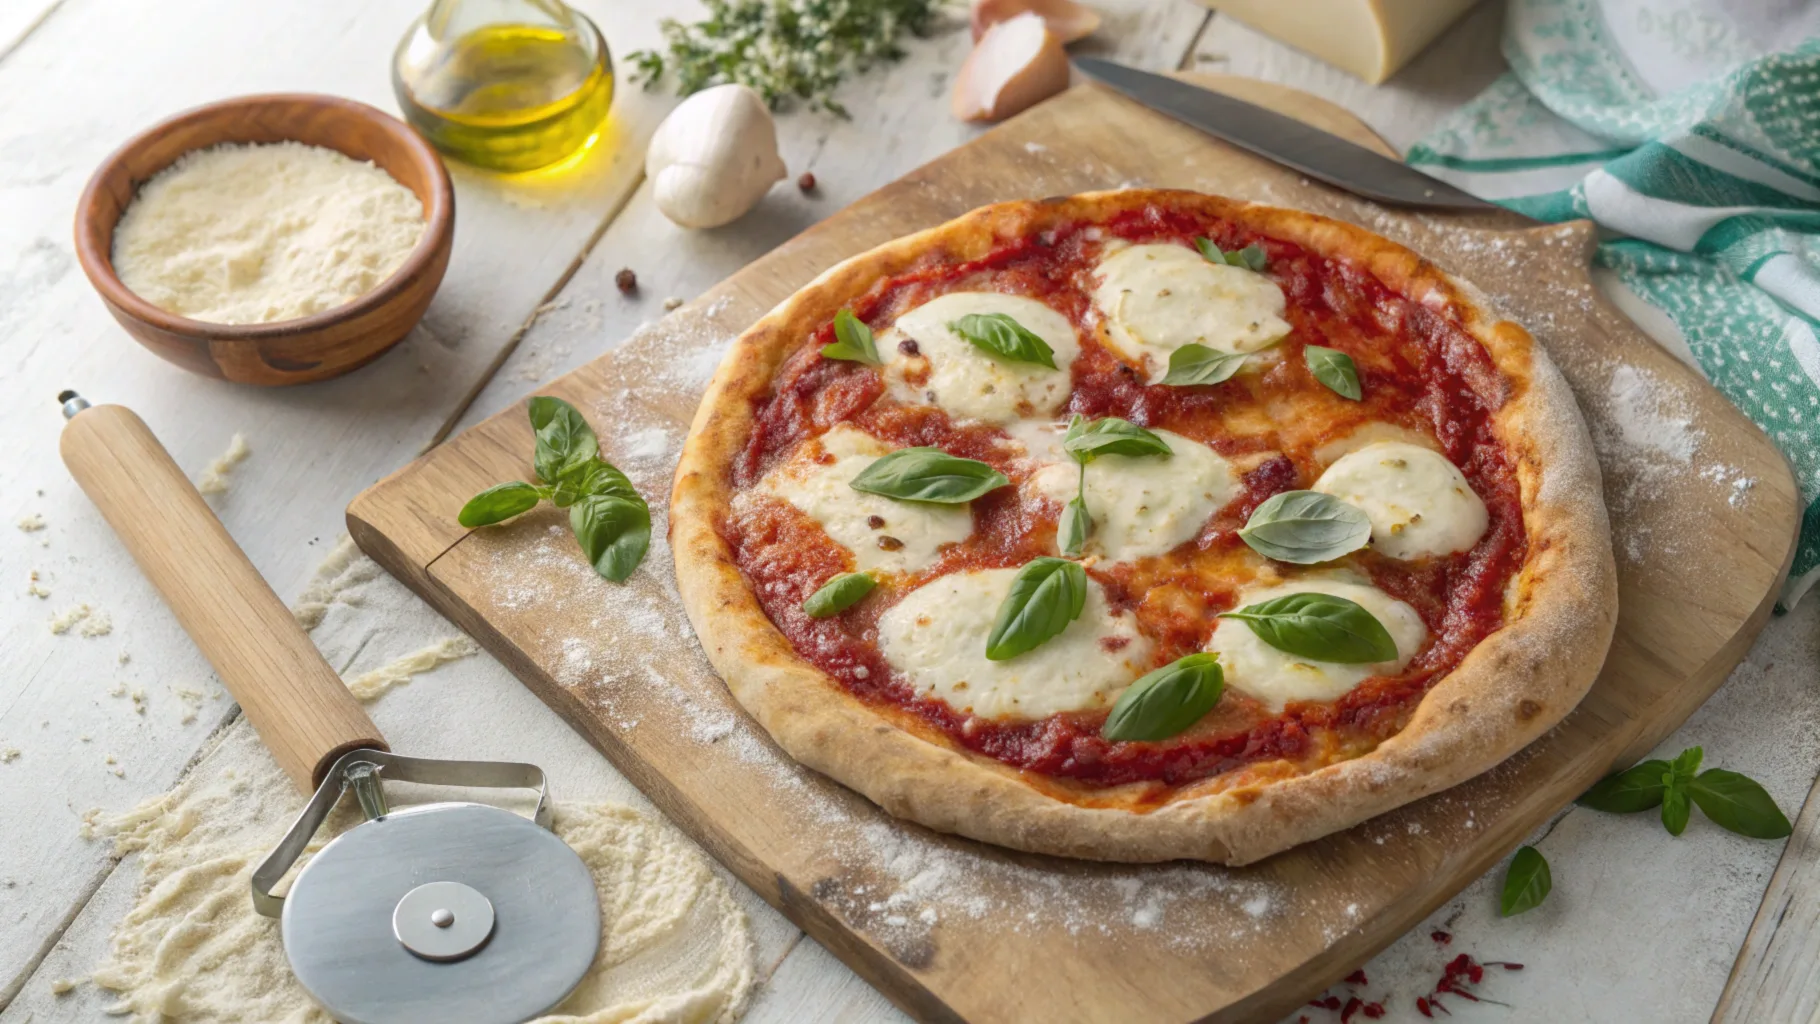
(445, 913)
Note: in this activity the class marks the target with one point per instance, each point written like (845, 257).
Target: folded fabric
(1690, 130)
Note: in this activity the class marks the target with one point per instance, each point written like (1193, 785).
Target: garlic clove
(714, 157)
(1069, 21)
(1016, 64)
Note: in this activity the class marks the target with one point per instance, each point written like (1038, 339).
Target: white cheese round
(1156, 298)
(936, 637)
(818, 480)
(1140, 506)
(968, 382)
(1277, 677)
(1419, 503)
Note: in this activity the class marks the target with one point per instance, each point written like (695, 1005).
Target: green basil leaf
(565, 442)
(1320, 627)
(1086, 441)
(1074, 528)
(838, 594)
(1001, 336)
(1198, 364)
(1249, 258)
(928, 474)
(1167, 701)
(614, 533)
(1637, 788)
(1686, 765)
(1526, 883)
(853, 340)
(1305, 527)
(1334, 369)
(498, 503)
(601, 477)
(1738, 804)
(1674, 805)
(1046, 596)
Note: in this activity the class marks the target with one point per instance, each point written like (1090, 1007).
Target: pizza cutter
(445, 913)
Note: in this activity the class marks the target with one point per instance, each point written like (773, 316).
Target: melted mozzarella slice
(1419, 503)
(936, 637)
(1140, 506)
(1156, 298)
(951, 372)
(1277, 677)
(817, 479)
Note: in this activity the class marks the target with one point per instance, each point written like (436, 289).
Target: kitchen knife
(1285, 140)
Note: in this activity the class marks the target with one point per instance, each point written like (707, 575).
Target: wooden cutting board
(1705, 515)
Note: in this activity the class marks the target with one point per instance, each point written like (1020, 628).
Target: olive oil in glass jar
(509, 85)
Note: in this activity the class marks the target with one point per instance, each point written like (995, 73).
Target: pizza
(1143, 525)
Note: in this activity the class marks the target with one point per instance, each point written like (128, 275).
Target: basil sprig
(1197, 364)
(1306, 527)
(1167, 701)
(1334, 369)
(852, 340)
(1320, 627)
(928, 474)
(610, 519)
(838, 594)
(1527, 882)
(1733, 801)
(1085, 441)
(1046, 595)
(999, 335)
(1249, 258)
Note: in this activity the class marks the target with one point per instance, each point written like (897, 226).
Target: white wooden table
(1640, 926)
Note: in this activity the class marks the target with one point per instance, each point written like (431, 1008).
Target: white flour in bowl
(253, 234)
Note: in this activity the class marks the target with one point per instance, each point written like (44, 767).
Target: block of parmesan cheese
(1370, 38)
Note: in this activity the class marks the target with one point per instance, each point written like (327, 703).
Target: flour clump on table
(257, 234)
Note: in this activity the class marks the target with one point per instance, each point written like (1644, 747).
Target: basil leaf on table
(1334, 369)
(1087, 440)
(838, 594)
(853, 340)
(999, 335)
(1738, 804)
(565, 442)
(1249, 258)
(1197, 364)
(1306, 527)
(928, 474)
(1637, 788)
(614, 533)
(1045, 597)
(1675, 808)
(1526, 883)
(1320, 627)
(1167, 701)
(498, 503)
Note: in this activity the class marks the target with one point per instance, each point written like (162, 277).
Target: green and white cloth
(1690, 130)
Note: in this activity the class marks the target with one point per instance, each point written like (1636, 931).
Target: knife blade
(1271, 135)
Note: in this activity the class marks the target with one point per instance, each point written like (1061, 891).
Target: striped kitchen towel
(1690, 130)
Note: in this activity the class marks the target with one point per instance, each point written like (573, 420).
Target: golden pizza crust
(1510, 689)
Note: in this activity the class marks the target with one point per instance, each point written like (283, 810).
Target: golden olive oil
(509, 97)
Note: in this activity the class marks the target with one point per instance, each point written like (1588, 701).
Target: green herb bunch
(609, 517)
(783, 49)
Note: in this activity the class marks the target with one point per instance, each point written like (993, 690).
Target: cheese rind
(823, 491)
(1370, 38)
(1154, 299)
(1140, 506)
(936, 637)
(1419, 503)
(1276, 677)
(970, 383)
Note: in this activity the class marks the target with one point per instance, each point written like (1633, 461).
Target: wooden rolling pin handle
(301, 708)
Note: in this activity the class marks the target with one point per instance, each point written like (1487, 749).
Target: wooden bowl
(312, 348)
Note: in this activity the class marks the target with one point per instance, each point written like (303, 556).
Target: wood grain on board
(1777, 973)
(991, 935)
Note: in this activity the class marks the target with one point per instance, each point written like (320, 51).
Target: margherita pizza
(1144, 525)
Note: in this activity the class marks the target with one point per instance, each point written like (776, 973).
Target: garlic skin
(714, 157)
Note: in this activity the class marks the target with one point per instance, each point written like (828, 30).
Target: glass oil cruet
(509, 85)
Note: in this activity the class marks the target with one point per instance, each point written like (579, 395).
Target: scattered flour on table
(85, 619)
(32, 523)
(372, 685)
(214, 479)
(34, 585)
(675, 946)
(8, 755)
(342, 570)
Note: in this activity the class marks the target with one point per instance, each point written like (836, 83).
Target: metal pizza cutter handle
(434, 914)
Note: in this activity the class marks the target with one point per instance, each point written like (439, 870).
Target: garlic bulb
(714, 157)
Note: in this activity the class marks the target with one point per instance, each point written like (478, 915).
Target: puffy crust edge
(1510, 689)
